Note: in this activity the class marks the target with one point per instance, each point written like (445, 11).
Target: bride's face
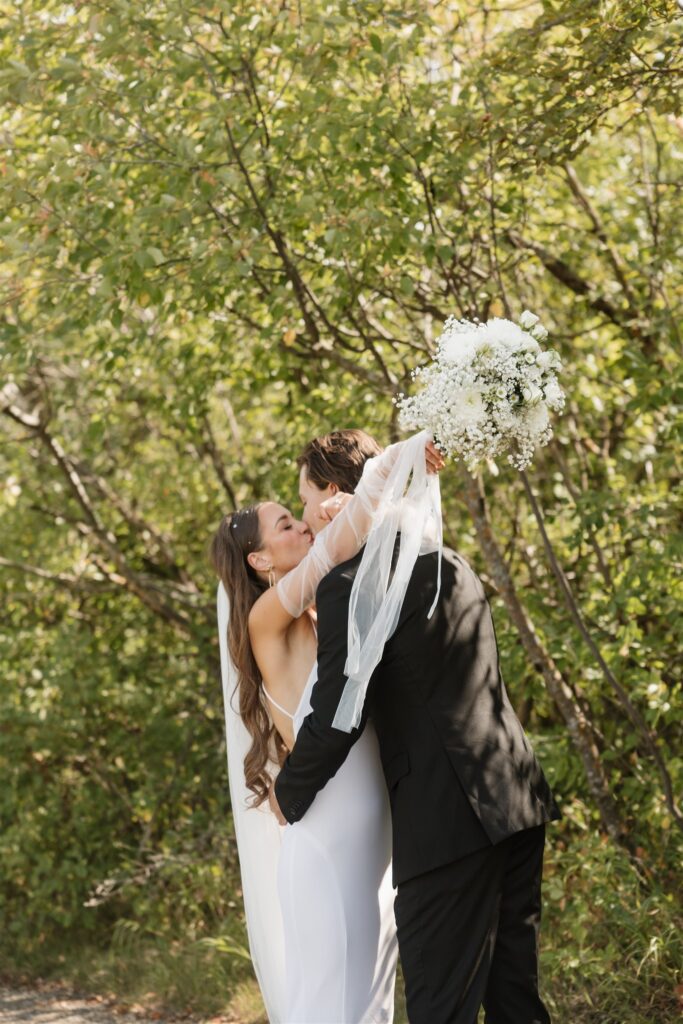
(286, 540)
(312, 498)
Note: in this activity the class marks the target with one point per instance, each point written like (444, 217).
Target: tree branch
(567, 276)
(62, 579)
(629, 707)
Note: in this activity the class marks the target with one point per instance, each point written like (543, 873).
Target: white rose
(539, 332)
(473, 407)
(528, 319)
(504, 333)
(536, 418)
(554, 395)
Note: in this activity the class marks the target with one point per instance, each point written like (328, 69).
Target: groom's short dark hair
(338, 458)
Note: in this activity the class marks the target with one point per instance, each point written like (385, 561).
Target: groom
(469, 801)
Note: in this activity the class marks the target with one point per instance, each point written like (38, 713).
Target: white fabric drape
(375, 604)
(258, 843)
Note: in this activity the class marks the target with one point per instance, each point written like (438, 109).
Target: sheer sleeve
(343, 538)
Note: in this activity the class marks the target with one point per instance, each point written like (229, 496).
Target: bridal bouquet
(489, 391)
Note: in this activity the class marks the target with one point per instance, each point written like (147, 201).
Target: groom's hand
(274, 805)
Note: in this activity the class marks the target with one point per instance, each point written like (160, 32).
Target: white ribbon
(376, 600)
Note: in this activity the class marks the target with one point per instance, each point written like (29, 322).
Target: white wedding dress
(336, 896)
(324, 948)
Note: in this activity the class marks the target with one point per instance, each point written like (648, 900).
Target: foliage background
(227, 228)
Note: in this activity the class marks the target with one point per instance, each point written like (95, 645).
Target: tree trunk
(580, 729)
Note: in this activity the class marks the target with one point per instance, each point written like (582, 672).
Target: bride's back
(285, 663)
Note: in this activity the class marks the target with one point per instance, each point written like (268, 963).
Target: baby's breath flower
(488, 392)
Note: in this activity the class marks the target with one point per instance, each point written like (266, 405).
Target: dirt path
(57, 1006)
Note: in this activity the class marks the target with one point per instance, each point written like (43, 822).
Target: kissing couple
(384, 794)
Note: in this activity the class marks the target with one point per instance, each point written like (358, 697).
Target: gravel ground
(57, 1006)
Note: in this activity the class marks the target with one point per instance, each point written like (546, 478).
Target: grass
(611, 950)
(174, 978)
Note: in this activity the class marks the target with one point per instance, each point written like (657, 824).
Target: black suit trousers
(468, 935)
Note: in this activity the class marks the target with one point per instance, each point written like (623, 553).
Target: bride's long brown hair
(237, 535)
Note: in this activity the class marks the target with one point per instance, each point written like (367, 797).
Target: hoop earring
(271, 577)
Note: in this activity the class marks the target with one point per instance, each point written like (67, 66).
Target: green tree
(227, 229)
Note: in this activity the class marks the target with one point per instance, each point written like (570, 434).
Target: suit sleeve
(320, 750)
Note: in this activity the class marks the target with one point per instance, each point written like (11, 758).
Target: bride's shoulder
(273, 631)
(265, 615)
(258, 609)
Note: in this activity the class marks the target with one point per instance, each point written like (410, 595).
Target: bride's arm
(275, 610)
(339, 541)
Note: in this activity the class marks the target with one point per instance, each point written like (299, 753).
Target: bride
(318, 894)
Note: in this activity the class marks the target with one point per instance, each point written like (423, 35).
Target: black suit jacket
(460, 771)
